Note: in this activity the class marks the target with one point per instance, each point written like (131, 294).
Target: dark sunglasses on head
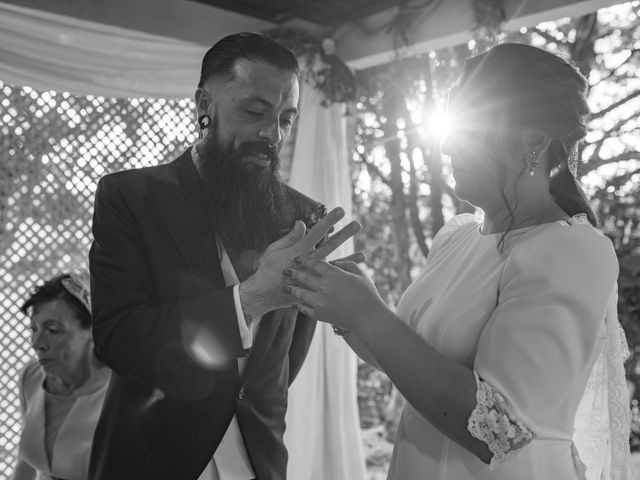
(78, 290)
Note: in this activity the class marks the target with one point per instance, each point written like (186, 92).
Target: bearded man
(189, 305)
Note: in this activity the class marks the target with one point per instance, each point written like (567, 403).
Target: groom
(188, 301)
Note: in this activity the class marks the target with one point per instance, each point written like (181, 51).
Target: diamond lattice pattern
(54, 147)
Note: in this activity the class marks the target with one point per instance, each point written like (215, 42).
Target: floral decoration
(322, 68)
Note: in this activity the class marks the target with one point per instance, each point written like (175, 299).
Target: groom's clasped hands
(273, 285)
(337, 292)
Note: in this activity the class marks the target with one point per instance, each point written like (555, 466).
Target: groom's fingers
(357, 257)
(334, 241)
(324, 225)
(348, 266)
(307, 310)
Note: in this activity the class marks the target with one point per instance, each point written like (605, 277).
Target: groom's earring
(532, 161)
(204, 121)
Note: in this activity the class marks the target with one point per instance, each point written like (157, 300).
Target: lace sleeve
(491, 423)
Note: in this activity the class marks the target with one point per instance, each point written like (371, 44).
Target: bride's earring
(532, 161)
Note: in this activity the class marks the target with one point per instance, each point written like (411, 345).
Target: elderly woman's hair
(54, 289)
(535, 88)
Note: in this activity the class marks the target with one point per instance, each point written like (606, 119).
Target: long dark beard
(248, 206)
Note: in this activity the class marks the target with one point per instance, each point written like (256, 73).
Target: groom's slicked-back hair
(221, 58)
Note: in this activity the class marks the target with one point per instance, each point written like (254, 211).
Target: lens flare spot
(156, 396)
(206, 348)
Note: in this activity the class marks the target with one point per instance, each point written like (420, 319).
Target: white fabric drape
(323, 431)
(46, 51)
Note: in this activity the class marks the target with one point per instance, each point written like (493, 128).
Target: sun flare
(436, 124)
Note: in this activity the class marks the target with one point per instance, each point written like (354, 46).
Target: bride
(507, 347)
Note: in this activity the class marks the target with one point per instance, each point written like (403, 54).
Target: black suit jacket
(166, 324)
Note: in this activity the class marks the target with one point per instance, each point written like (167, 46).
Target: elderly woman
(61, 393)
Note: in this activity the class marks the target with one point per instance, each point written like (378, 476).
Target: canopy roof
(361, 28)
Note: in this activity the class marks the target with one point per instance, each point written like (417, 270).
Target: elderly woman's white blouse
(529, 320)
(72, 445)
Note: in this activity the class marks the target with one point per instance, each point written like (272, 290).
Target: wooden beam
(367, 43)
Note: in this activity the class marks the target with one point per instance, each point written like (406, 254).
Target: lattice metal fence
(54, 148)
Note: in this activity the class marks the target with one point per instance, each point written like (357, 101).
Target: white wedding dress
(537, 323)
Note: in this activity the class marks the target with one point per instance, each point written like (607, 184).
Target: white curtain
(54, 52)
(323, 426)
(46, 51)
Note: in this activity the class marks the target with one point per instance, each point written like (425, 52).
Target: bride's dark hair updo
(535, 88)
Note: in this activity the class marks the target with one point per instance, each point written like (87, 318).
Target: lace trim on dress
(491, 423)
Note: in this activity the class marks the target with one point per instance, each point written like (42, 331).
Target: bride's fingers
(286, 274)
(305, 297)
(304, 278)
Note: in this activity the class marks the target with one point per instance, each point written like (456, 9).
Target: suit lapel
(177, 196)
(263, 341)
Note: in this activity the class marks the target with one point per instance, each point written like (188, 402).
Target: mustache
(258, 148)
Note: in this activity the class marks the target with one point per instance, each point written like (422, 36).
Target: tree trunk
(394, 108)
(414, 205)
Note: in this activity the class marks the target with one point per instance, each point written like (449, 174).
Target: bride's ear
(534, 140)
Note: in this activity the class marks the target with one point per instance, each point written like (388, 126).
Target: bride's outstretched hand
(339, 292)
